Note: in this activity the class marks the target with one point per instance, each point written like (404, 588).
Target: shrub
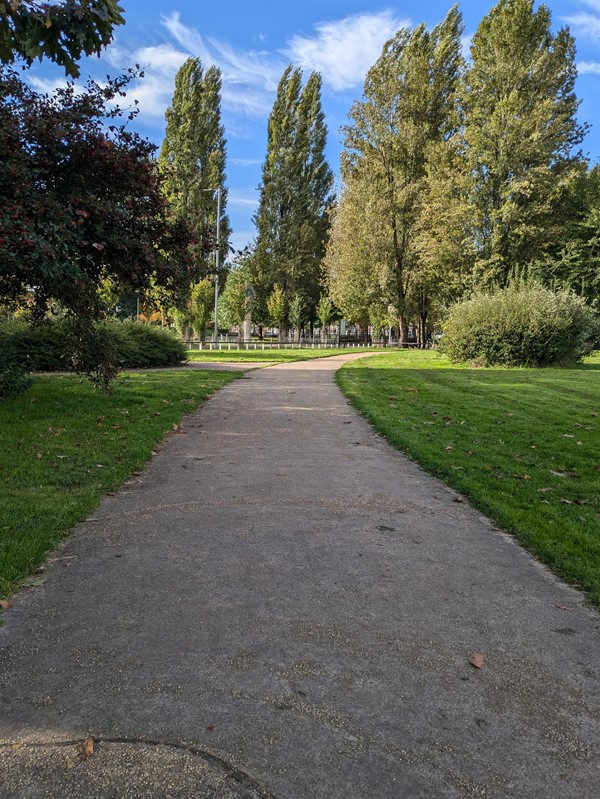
(14, 377)
(138, 345)
(60, 345)
(521, 325)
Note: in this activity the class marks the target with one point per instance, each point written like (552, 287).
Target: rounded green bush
(521, 325)
(52, 345)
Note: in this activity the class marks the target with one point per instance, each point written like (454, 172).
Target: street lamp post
(217, 258)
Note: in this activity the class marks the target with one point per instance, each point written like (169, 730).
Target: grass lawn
(256, 356)
(63, 445)
(522, 444)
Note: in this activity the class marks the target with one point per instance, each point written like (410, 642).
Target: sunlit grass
(522, 444)
(270, 355)
(63, 445)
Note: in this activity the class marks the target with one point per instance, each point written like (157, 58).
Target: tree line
(459, 175)
(456, 174)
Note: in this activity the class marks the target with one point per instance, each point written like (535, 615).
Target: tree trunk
(423, 330)
(403, 330)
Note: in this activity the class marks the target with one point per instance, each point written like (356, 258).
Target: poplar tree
(295, 193)
(520, 130)
(408, 106)
(192, 157)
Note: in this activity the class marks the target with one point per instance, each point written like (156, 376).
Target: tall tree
(295, 194)
(575, 262)
(520, 129)
(192, 157)
(409, 104)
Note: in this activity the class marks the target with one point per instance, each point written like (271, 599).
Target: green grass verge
(522, 444)
(63, 445)
(256, 356)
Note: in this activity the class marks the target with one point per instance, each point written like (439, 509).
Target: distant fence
(306, 342)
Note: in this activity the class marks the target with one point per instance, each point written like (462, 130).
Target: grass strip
(270, 355)
(522, 444)
(63, 445)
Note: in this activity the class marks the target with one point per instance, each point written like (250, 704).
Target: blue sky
(252, 41)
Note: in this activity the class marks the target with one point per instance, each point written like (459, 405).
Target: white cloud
(245, 161)
(595, 4)
(584, 24)
(187, 38)
(240, 197)
(588, 67)
(46, 85)
(343, 50)
(465, 44)
(249, 78)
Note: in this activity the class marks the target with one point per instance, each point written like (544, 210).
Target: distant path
(283, 606)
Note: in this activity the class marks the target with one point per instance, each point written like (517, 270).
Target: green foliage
(325, 312)
(409, 108)
(80, 208)
(296, 312)
(520, 325)
(202, 297)
(574, 262)
(53, 346)
(276, 305)
(14, 377)
(235, 304)
(62, 31)
(520, 128)
(292, 219)
(192, 157)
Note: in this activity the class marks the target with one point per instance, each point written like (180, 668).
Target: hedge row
(50, 347)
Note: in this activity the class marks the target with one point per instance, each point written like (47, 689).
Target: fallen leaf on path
(5, 604)
(456, 499)
(69, 763)
(86, 749)
(563, 607)
(476, 660)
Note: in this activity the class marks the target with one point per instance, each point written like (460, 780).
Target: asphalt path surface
(282, 606)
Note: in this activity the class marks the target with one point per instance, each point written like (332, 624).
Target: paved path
(283, 606)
